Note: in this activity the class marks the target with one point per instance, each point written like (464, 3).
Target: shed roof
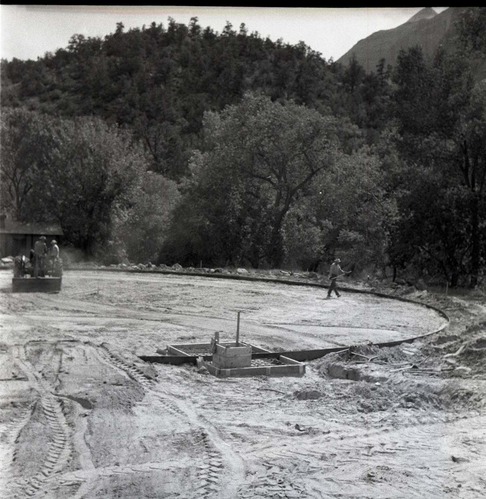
(35, 229)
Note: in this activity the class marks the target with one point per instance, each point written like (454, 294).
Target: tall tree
(25, 141)
(347, 211)
(441, 125)
(141, 227)
(94, 172)
(75, 172)
(260, 157)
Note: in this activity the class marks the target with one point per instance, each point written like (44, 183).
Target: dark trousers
(333, 287)
(39, 266)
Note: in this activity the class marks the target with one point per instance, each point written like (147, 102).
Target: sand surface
(82, 416)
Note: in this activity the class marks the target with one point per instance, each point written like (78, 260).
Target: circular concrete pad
(144, 312)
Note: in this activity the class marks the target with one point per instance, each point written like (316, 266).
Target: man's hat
(337, 260)
(53, 241)
(42, 237)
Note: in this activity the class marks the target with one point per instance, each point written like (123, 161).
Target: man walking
(334, 272)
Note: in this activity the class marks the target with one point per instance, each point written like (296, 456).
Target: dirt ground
(81, 416)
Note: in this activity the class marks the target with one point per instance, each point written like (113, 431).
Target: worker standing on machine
(40, 251)
(53, 254)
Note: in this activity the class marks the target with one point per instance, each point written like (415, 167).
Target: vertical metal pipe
(238, 331)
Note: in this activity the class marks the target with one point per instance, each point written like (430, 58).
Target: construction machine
(46, 278)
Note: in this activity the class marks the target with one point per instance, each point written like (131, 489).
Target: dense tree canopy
(160, 80)
(347, 212)
(441, 120)
(258, 159)
(75, 172)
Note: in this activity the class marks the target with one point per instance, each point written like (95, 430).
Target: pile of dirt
(442, 373)
(464, 354)
(376, 386)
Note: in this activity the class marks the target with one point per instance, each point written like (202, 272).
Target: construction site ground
(81, 416)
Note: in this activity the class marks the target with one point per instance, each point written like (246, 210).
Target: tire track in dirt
(136, 374)
(209, 472)
(211, 450)
(59, 450)
(276, 476)
(10, 436)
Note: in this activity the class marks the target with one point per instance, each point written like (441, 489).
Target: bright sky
(29, 31)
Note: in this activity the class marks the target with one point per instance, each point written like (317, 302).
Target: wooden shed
(18, 238)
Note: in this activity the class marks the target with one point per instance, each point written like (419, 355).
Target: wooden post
(238, 331)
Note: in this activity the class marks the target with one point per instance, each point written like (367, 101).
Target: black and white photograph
(242, 252)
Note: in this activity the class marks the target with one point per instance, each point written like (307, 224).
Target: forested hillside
(174, 143)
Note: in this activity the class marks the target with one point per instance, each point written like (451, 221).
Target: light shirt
(54, 251)
(335, 270)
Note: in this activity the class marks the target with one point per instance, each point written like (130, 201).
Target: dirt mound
(412, 376)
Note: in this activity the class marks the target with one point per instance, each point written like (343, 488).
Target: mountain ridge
(425, 13)
(427, 28)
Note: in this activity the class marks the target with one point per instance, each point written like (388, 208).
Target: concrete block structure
(236, 359)
(231, 356)
(284, 367)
